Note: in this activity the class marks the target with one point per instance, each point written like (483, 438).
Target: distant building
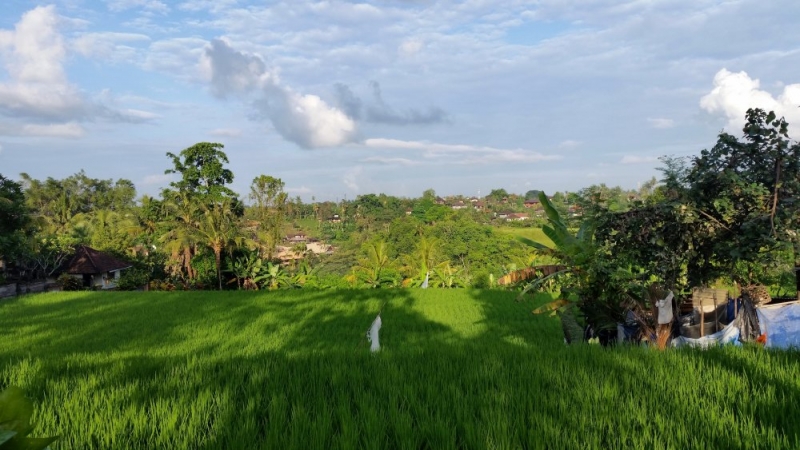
(533, 203)
(297, 238)
(95, 268)
(518, 217)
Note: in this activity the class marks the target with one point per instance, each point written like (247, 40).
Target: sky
(341, 98)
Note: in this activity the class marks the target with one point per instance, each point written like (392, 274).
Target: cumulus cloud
(348, 101)
(37, 88)
(231, 71)
(661, 123)
(378, 111)
(307, 120)
(734, 93)
(304, 119)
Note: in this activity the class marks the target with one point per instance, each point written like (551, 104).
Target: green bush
(133, 279)
(70, 283)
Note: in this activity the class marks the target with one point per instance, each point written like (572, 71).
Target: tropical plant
(218, 230)
(274, 277)
(15, 422)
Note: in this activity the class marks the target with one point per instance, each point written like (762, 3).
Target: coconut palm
(180, 240)
(218, 230)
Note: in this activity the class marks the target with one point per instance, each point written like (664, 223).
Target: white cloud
(302, 190)
(569, 143)
(149, 5)
(410, 47)
(635, 159)
(108, 45)
(350, 178)
(390, 161)
(304, 119)
(226, 132)
(470, 154)
(308, 121)
(157, 179)
(734, 93)
(231, 71)
(61, 130)
(661, 123)
(37, 88)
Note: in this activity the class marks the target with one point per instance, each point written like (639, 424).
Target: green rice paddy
(290, 369)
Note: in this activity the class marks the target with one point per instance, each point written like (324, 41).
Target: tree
(270, 211)
(14, 218)
(748, 191)
(202, 172)
(532, 194)
(218, 230)
(498, 195)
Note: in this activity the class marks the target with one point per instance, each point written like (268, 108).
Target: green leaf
(771, 116)
(6, 435)
(552, 306)
(38, 443)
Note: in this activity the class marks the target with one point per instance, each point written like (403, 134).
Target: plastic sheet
(781, 323)
(372, 334)
(728, 335)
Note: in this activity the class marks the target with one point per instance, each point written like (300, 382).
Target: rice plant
(290, 369)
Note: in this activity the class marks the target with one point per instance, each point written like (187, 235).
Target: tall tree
(749, 190)
(14, 218)
(219, 231)
(202, 171)
(270, 203)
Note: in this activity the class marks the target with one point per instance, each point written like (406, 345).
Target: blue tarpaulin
(781, 323)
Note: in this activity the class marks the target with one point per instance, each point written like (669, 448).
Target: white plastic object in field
(372, 334)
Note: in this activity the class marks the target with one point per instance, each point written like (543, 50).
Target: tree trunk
(797, 267)
(218, 261)
(797, 277)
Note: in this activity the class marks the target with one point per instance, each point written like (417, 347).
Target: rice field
(532, 233)
(289, 369)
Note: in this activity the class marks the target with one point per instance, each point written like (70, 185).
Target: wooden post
(702, 321)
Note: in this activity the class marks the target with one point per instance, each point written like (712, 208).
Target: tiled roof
(90, 261)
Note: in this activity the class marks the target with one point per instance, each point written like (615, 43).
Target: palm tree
(374, 268)
(218, 230)
(180, 239)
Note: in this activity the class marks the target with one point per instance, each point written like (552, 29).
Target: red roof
(88, 261)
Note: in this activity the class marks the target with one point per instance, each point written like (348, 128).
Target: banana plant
(15, 423)
(573, 251)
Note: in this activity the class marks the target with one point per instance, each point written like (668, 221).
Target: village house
(95, 268)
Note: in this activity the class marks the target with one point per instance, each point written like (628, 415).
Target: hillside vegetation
(290, 369)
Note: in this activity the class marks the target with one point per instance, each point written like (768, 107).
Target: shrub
(70, 283)
(133, 279)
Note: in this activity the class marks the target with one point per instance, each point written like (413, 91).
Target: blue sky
(344, 98)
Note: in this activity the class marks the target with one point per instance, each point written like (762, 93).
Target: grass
(532, 233)
(458, 369)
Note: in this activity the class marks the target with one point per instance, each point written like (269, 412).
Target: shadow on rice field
(290, 369)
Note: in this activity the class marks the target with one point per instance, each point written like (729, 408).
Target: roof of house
(90, 261)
